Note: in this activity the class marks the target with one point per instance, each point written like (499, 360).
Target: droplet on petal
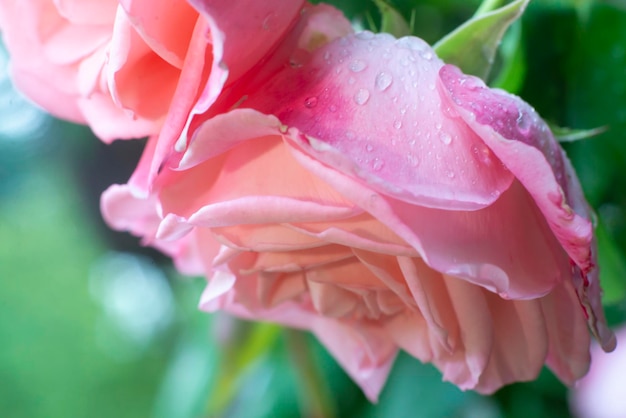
(445, 138)
(383, 81)
(310, 102)
(362, 96)
(357, 66)
(412, 159)
(523, 123)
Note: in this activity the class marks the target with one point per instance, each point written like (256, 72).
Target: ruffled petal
(124, 211)
(364, 351)
(203, 194)
(473, 245)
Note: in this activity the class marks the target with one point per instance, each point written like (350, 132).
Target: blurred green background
(93, 325)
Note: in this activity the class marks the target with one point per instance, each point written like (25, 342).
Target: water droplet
(357, 66)
(295, 62)
(438, 126)
(451, 174)
(412, 43)
(445, 138)
(431, 86)
(397, 124)
(269, 21)
(412, 159)
(362, 96)
(427, 55)
(310, 102)
(327, 56)
(450, 112)
(351, 80)
(523, 122)
(369, 147)
(378, 164)
(332, 108)
(383, 81)
(365, 35)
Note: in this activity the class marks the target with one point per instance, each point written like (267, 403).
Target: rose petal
(524, 143)
(87, 12)
(474, 245)
(568, 352)
(365, 352)
(126, 212)
(165, 26)
(135, 71)
(265, 238)
(413, 151)
(359, 232)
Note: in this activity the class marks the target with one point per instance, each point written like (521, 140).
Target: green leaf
(487, 6)
(512, 71)
(473, 45)
(571, 135)
(392, 21)
(612, 268)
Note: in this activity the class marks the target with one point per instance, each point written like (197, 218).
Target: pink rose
(602, 393)
(383, 200)
(128, 67)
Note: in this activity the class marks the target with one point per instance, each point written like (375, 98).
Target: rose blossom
(383, 200)
(128, 67)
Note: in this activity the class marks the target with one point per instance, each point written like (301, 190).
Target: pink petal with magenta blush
(214, 60)
(242, 33)
(524, 143)
(417, 150)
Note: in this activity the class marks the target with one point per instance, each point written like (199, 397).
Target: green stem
(315, 396)
(250, 342)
